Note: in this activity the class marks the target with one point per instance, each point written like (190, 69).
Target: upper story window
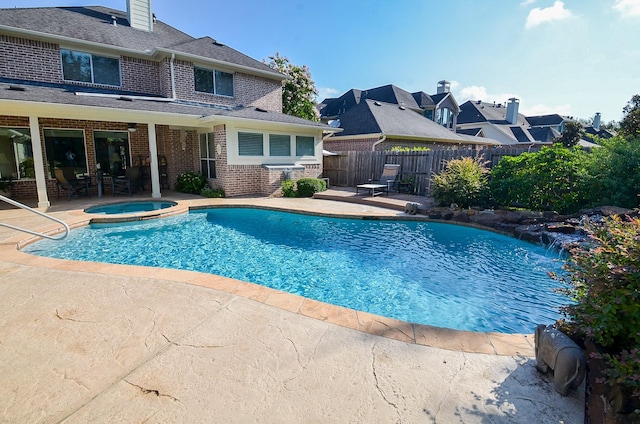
(213, 82)
(445, 117)
(90, 68)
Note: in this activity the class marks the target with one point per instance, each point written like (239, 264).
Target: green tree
(573, 132)
(298, 90)
(630, 124)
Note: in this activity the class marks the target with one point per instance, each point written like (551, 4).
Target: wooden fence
(348, 169)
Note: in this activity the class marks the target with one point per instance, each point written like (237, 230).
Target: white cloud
(557, 12)
(527, 2)
(326, 92)
(476, 92)
(628, 8)
(541, 109)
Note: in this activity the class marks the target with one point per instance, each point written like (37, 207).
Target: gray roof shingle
(63, 94)
(94, 24)
(375, 117)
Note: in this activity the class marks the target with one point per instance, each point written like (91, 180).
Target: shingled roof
(31, 92)
(375, 117)
(94, 24)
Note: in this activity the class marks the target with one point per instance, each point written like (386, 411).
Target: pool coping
(491, 343)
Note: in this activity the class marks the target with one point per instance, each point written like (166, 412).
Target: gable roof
(331, 108)
(545, 120)
(478, 111)
(93, 25)
(375, 117)
(334, 107)
(391, 94)
(423, 100)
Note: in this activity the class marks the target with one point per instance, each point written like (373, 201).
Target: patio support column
(153, 166)
(38, 163)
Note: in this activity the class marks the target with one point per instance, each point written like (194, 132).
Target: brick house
(384, 117)
(100, 90)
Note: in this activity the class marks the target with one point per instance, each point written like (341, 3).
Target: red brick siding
(140, 75)
(29, 59)
(349, 145)
(249, 90)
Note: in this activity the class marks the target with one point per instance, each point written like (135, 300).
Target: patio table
(372, 188)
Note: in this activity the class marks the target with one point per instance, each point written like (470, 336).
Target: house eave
(210, 120)
(95, 113)
(159, 53)
(69, 41)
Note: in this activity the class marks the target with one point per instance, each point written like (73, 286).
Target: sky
(572, 57)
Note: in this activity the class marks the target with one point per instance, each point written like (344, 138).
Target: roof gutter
(382, 139)
(220, 119)
(192, 57)
(42, 36)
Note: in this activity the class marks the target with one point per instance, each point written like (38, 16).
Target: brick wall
(249, 90)
(40, 61)
(349, 145)
(29, 59)
(140, 75)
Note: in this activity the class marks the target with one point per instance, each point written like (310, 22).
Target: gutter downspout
(173, 76)
(382, 139)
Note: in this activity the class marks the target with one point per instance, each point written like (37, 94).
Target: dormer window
(213, 82)
(90, 68)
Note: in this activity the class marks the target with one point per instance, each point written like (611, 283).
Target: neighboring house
(501, 122)
(506, 124)
(388, 116)
(93, 88)
(595, 129)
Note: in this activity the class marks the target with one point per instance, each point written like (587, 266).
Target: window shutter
(250, 144)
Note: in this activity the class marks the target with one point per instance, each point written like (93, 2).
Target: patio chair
(75, 187)
(390, 175)
(387, 180)
(126, 184)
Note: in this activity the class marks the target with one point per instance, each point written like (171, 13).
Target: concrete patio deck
(89, 342)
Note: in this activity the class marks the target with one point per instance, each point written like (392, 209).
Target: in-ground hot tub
(130, 207)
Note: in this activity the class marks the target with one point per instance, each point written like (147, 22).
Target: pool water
(130, 207)
(430, 273)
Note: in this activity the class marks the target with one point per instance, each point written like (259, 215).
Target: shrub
(614, 173)
(463, 182)
(551, 179)
(212, 193)
(289, 188)
(308, 186)
(190, 182)
(603, 278)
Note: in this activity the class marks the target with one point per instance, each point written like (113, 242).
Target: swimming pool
(423, 272)
(130, 207)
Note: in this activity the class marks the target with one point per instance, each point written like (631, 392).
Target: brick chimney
(140, 15)
(512, 110)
